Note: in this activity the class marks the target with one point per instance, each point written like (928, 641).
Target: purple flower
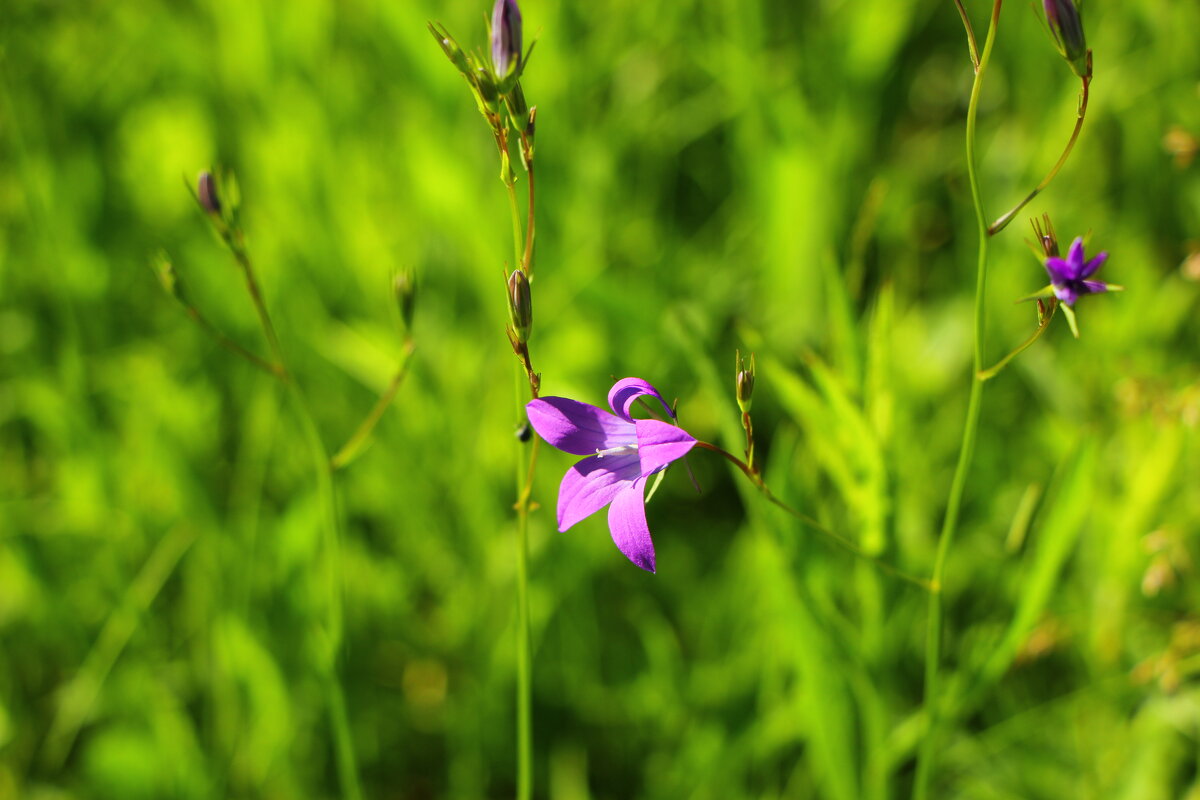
(506, 36)
(622, 452)
(1068, 275)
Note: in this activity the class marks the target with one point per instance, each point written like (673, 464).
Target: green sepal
(1070, 315)
(1045, 291)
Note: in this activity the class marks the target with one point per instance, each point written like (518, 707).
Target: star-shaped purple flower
(622, 452)
(1068, 275)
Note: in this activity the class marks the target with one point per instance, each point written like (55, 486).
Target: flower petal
(578, 427)
(660, 443)
(1060, 271)
(625, 393)
(1089, 269)
(627, 524)
(1095, 287)
(592, 483)
(1075, 258)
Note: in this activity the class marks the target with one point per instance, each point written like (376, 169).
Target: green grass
(786, 178)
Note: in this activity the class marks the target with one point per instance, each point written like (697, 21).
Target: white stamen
(624, 449)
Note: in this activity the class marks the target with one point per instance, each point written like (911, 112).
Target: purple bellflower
(1068, 276)
(622, 452)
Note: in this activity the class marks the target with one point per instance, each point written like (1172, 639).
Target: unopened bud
(1046, 236)
(520, 305)
(1066, 27)
(206, 193)
(506, 37)
(404, 287)
(744, 382)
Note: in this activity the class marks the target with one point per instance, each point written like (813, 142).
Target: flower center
(625, 449)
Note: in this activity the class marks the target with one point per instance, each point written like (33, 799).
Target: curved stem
(194, 314)
(933, 637)
(527, 263)
(354, 445)
(347, 766)
(994, 370)
(836, 538)
(971, 43)
(1002, 223)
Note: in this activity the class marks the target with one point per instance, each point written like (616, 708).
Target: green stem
(347, 766)
(355, 444)
(1002, 223)
(524, 490)
(525, 472)
(266, 366)
(994, 370)
(933, 638)
(518, 237)
(756, 478)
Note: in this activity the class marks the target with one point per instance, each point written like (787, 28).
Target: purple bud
(506, 36)
(1067, 29)
(206, 193)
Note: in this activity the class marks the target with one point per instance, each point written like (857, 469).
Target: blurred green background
(776, 176)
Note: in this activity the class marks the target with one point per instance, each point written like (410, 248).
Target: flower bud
(744, 382)
(206, 193)
(520, 305)
(404, 287)
(1046, 236)
(1066, 27)
(506, 37)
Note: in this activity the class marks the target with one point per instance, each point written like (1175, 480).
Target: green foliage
(783, 178)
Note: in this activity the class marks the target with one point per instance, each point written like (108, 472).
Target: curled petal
(1095, 287)
(592, 484)
(625, 393)
(1089, 269)
(660, 443)
(578, 427)
(627, 524)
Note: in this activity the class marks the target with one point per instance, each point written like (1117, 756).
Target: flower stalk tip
(404, 289)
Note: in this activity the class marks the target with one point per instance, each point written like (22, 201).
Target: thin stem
(837, 539)
(524, 490)
(238, 248)
(355, 444)
(524, 475)
(971, 43)
(194, 314)
(933, 637)
(347, 765)
(1002, 223)
(514, 207)
(527, 263)
(994, 370)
